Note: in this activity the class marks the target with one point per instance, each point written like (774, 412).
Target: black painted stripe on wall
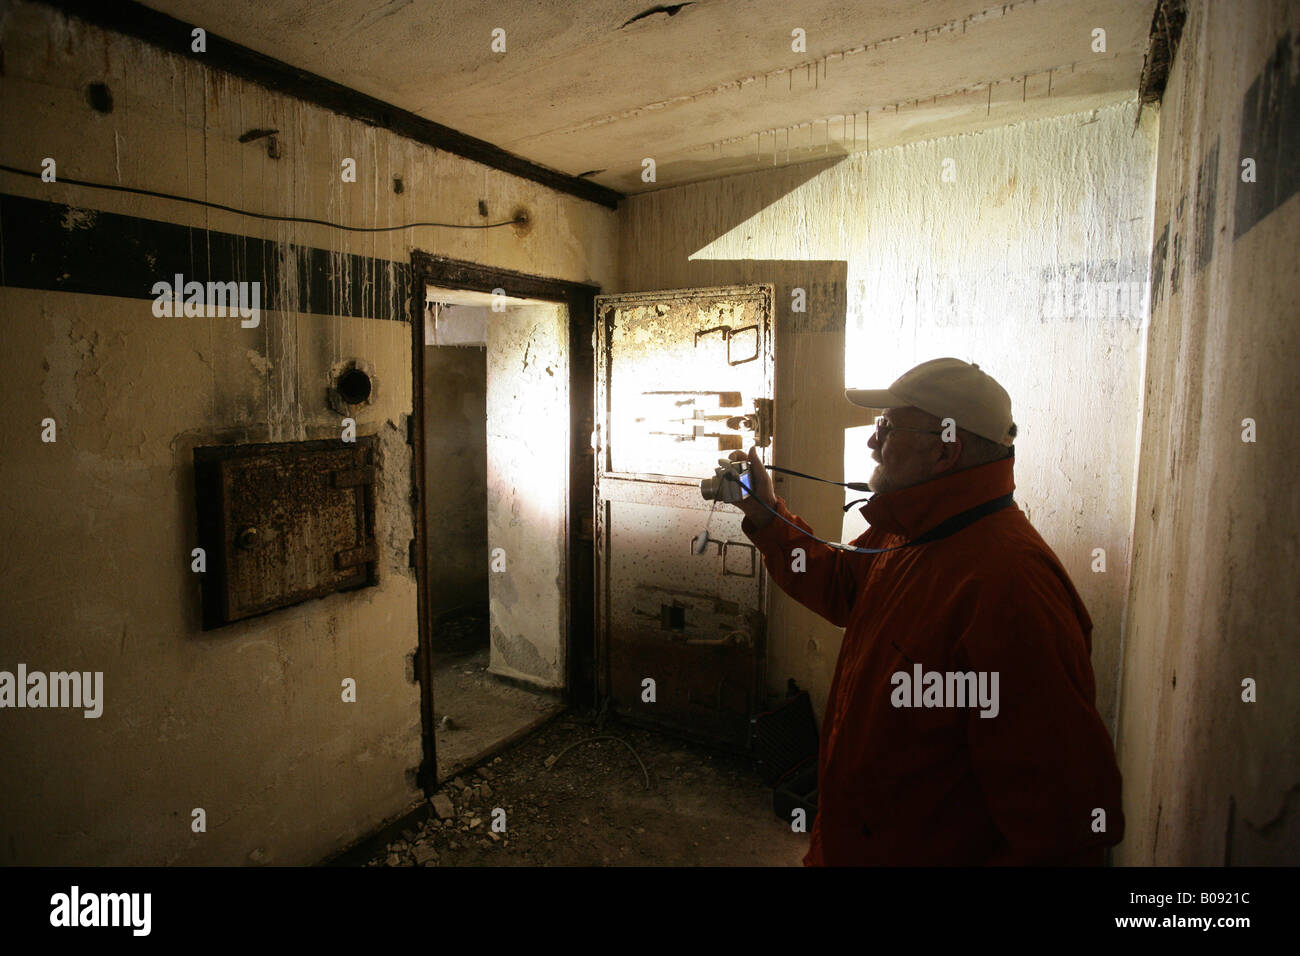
(48, 245)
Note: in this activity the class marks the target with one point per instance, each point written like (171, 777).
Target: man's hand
(760, 487)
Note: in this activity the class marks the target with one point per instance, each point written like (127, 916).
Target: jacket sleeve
(1043, 756)
(824, 580)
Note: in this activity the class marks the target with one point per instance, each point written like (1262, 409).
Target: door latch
(759, 421)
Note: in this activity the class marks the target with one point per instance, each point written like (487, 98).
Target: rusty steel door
(683, 378)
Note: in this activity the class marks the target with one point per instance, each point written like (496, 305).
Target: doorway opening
(496, 463)
(503, 549)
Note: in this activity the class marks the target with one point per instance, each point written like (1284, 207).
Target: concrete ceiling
(706, 89)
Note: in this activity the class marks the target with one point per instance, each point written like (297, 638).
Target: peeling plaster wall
(246, 721)
(1029, 262)
(528, 490)
(1208, 778)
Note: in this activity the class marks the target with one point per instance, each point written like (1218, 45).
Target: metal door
(683, 377)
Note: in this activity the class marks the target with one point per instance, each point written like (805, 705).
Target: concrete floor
(591, 807)
(571, 794)
(483, 711)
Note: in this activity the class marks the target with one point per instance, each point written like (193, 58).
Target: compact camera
(729, 484)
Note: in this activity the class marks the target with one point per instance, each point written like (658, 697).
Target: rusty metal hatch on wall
(284, 523)
(684, 377)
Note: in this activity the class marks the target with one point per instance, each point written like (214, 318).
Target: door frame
(579, 298)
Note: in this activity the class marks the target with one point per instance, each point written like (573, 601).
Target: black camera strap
(958, 521)
(943, 529)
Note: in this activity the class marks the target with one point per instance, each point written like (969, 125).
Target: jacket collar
(911, 512)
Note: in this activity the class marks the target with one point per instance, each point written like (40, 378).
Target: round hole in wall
(100, 97)
(354, 386)
(522, 221)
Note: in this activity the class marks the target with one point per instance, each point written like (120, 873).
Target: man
(961, 726)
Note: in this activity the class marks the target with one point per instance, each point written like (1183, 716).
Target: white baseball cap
(947, 388)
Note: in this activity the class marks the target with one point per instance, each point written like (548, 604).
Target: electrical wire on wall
(342, 279)
(260, 215)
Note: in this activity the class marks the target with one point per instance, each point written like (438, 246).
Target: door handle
(731, 338)
(728, 334)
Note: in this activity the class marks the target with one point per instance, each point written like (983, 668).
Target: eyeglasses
(884, 426)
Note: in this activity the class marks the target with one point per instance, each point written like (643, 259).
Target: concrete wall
(1209, 778)
(455, 406)
(1029, 262)
(246, 722)
(528, 490)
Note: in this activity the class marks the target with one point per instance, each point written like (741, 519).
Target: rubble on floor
(526, 807)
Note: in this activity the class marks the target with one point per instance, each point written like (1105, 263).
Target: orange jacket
(925, 784)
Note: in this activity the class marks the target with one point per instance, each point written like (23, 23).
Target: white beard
(879, 482)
